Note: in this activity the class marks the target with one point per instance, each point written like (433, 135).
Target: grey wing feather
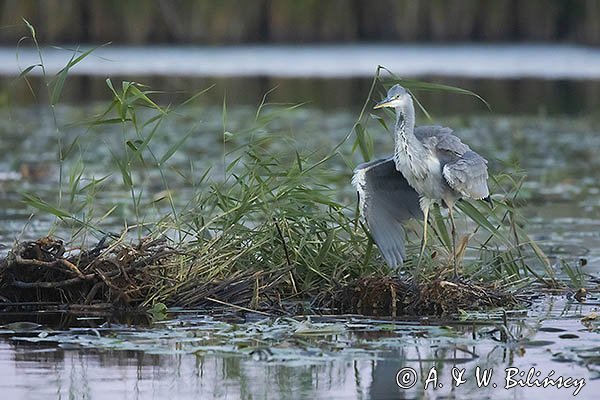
(386, 200)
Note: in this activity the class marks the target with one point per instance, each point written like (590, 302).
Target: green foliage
(158, 312)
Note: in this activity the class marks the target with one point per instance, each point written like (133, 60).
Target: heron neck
(407, 144)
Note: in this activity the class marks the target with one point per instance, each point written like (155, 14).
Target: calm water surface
(229, 357)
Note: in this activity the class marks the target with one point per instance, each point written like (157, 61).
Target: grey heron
(430, 164)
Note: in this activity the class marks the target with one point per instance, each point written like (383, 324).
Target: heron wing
(440, 139)
(386, 200)
(468, 175)
(464, 170)
(425, 131)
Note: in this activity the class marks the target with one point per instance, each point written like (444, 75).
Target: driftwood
(122, 275)
(44, 271)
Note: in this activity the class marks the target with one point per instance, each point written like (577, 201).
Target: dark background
(285, 21)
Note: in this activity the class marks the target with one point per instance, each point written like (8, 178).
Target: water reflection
(196, 356)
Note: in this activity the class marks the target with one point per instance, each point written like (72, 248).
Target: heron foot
(456, 277)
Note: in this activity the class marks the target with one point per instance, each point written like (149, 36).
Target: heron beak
(383, 103)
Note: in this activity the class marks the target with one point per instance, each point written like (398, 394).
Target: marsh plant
(272, 204)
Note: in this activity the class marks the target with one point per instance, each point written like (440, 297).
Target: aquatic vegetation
(266, 228)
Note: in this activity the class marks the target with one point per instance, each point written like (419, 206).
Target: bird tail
(489, 200)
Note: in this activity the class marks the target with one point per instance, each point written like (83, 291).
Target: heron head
(396, 97)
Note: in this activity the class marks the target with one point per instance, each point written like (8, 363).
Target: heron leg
(424, 238)
(454, 264)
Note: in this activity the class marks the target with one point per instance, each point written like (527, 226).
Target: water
(331, 61)
(546, 127)
(230, 356)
